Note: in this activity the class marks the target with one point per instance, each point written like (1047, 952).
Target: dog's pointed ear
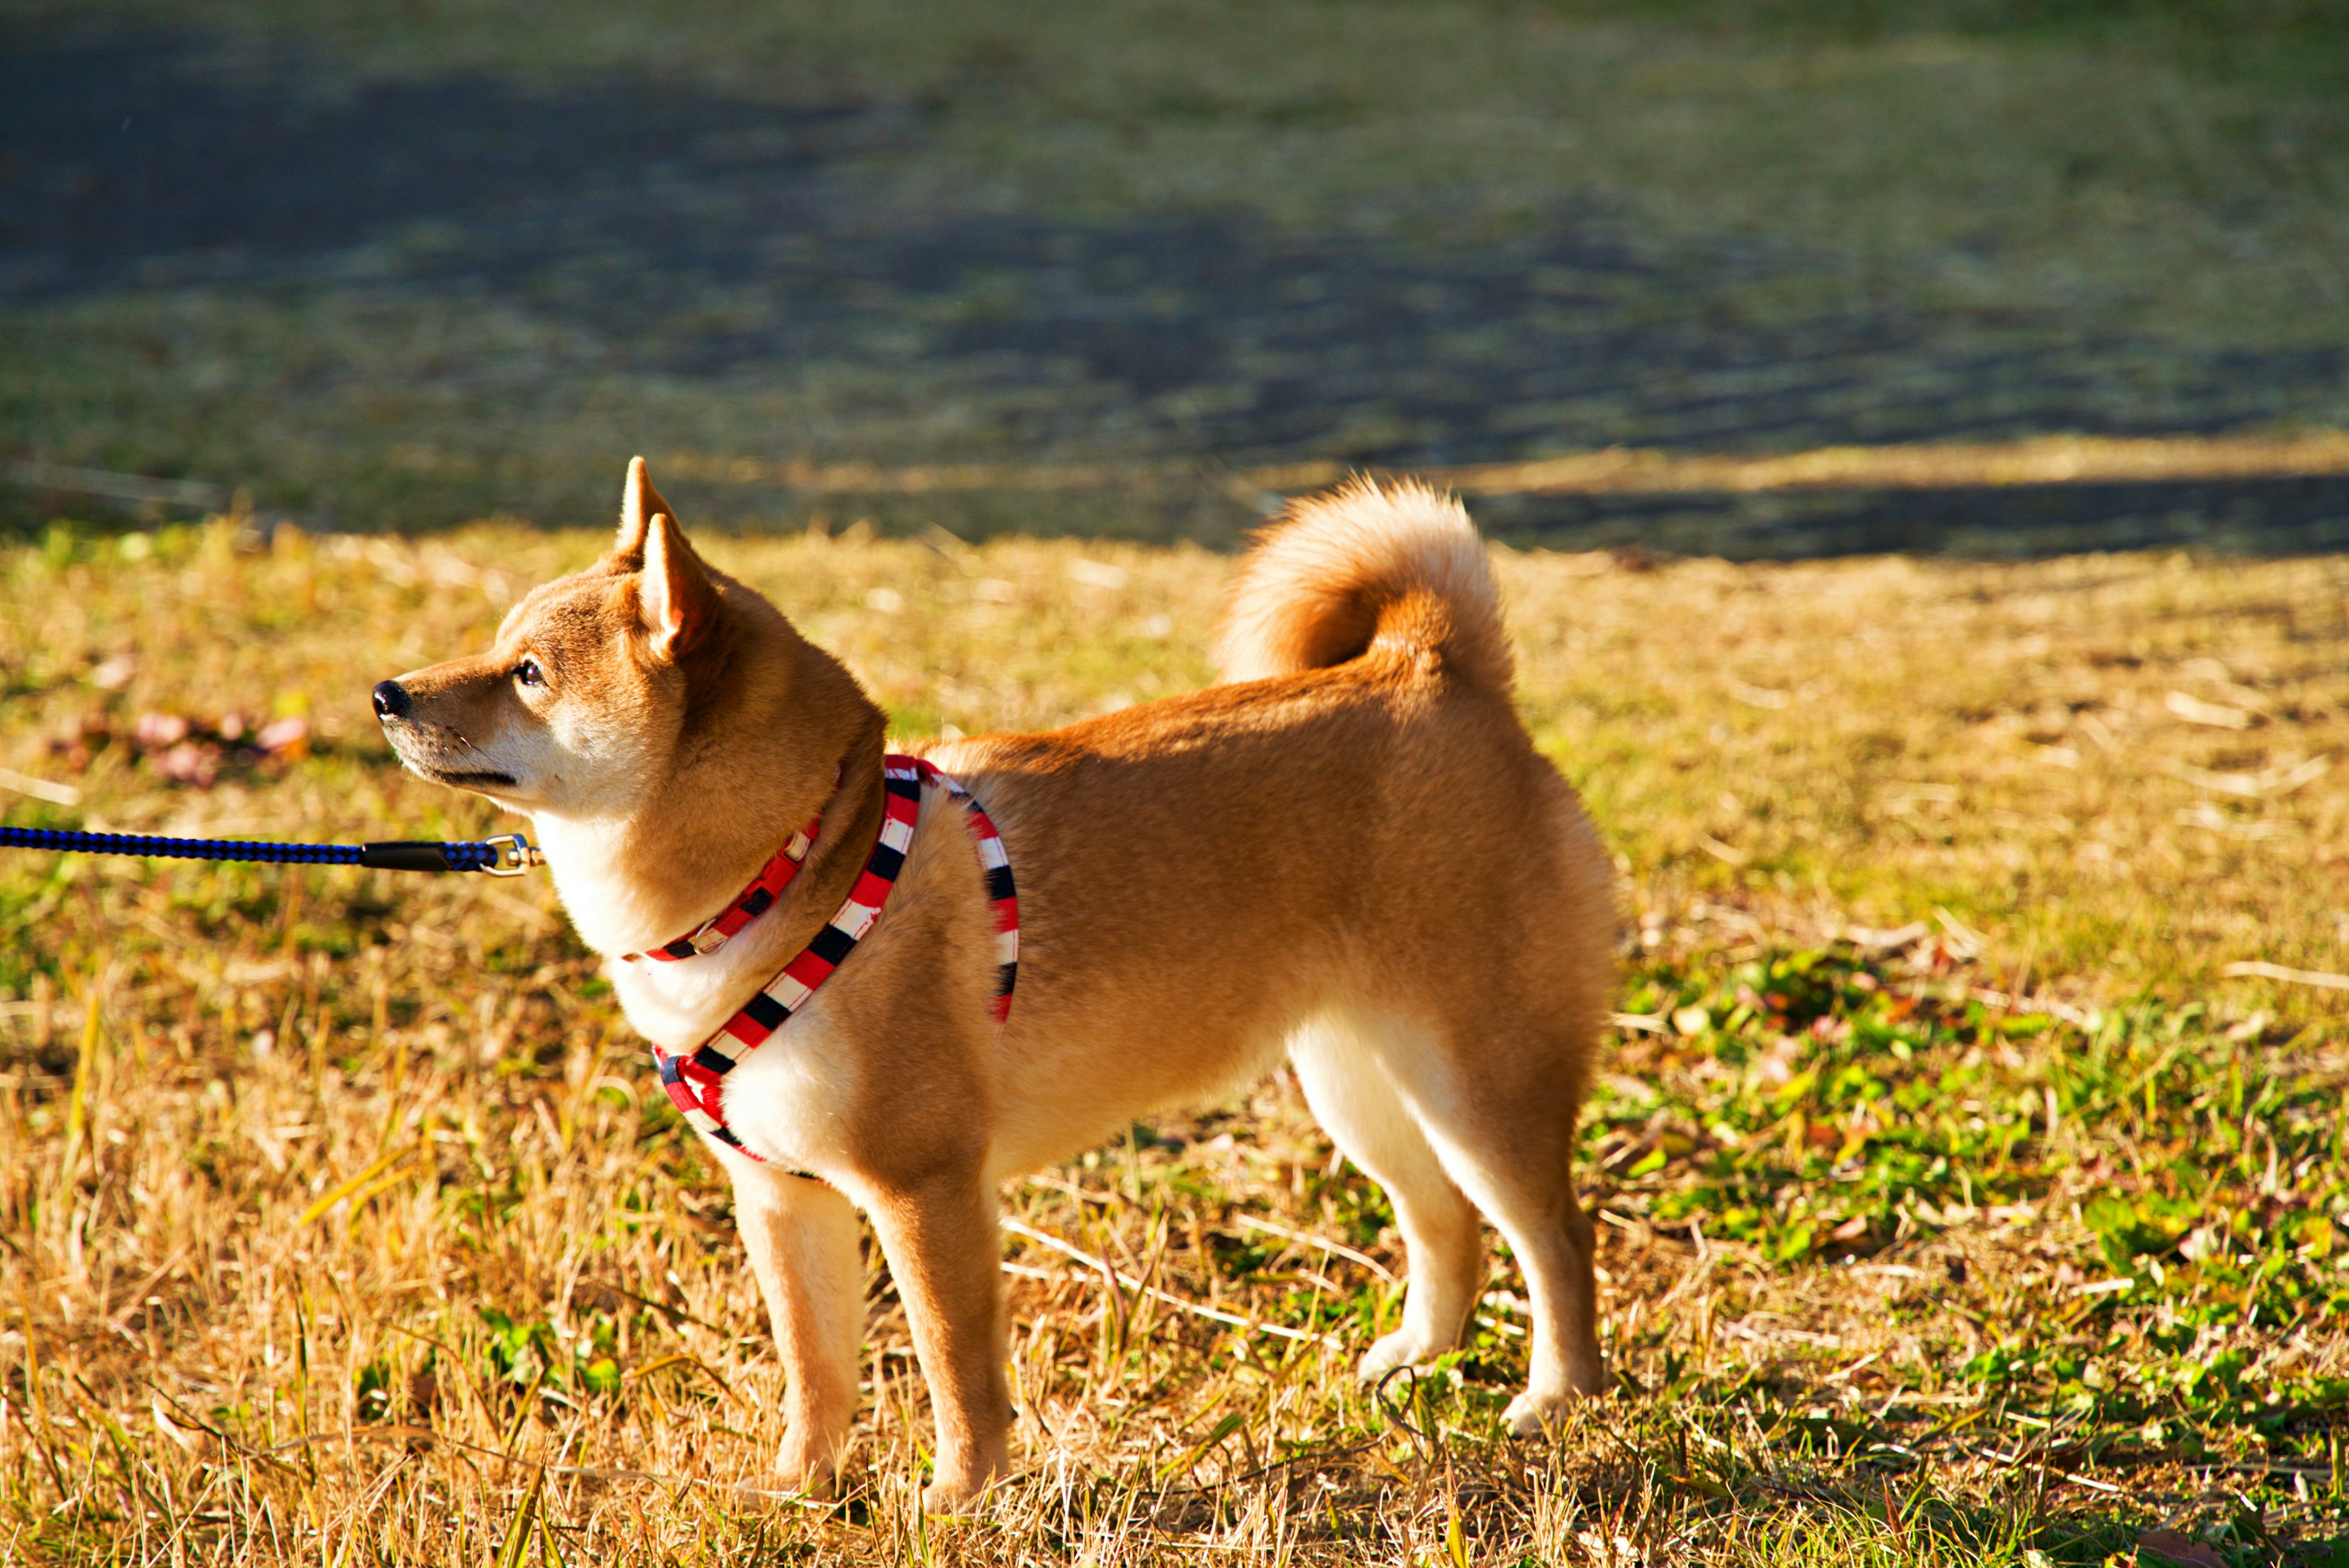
(679, 600)
(639, 504)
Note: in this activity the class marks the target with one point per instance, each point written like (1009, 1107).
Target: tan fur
(1352, 853)
(1365, 564)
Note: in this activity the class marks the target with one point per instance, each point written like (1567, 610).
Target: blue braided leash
(508, 855)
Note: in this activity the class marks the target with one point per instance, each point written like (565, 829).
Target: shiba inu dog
(1348, 854)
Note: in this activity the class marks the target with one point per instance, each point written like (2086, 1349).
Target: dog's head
(577, 708)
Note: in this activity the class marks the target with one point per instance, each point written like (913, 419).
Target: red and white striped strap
(694, 1082)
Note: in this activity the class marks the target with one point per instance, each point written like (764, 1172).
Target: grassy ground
(394, 267)
(1956, 1208)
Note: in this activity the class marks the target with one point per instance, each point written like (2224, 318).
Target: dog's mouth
(440, 773)
(463, 781)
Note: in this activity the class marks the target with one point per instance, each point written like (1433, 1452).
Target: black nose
(390, 701)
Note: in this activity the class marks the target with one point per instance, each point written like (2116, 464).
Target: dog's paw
(1532, 1415)
(807, 1467)
(942, 1501)
(1402, 1348)
(941, 1498)
(961, 1480)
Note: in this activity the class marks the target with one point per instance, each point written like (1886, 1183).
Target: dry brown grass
(2119, 767)
(339, 1226)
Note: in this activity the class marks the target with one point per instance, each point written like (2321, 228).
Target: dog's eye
(529, 673)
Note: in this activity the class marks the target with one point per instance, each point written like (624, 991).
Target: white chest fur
(678, 1005)
(787, 1100)
(790, 1100)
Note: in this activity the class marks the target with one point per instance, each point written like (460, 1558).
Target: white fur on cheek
(527, 755)
(593, 762)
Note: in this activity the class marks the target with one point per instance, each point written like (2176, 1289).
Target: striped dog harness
(750, 904)
(696, 1081)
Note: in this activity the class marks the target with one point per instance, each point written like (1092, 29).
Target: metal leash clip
(516, 855)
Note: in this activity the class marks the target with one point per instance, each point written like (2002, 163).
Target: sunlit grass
(1955, 1208)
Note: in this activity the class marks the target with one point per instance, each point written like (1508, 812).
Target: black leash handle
(508, 855)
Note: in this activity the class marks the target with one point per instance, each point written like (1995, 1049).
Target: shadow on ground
(717, 244)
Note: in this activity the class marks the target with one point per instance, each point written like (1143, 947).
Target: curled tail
(1393, 567)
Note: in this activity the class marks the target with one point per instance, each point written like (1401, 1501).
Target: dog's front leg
(802, 1236)
(945, 1253)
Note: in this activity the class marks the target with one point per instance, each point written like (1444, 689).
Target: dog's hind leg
(1504, 1134)
(1555, 1241)
(1347, 1084)
(801, 1237)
